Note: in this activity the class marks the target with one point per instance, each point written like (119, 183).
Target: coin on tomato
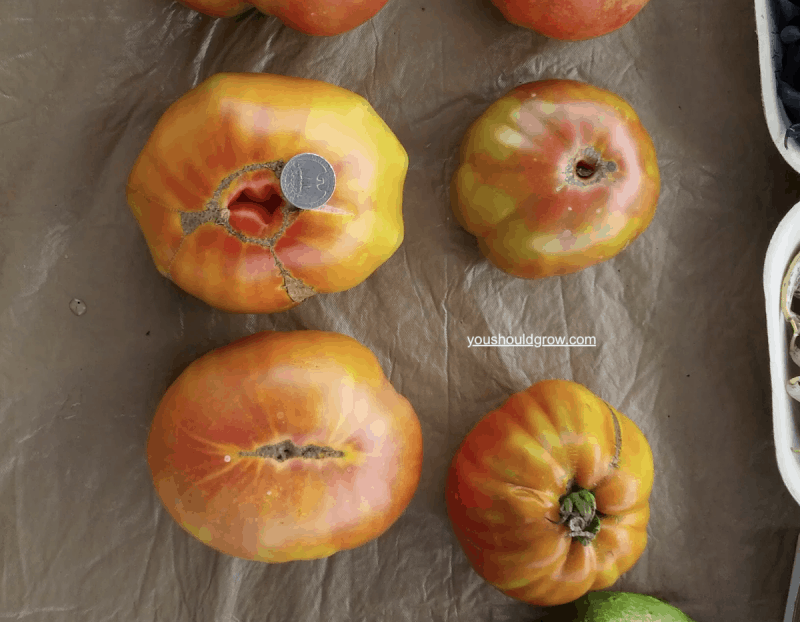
(312, 17)
(208, 194)
(570, 20)
(555, 176)
(285, 446)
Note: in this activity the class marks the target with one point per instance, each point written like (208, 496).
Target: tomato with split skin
(285, 446)
(206, 192)
(312, 17)
(554, 177)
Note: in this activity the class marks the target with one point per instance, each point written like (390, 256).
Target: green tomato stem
(578, 512)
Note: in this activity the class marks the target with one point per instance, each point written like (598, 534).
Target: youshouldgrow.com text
(531, 341)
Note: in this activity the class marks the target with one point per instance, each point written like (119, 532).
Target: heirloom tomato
(570, 20)
(206, 192)
(549, 494)
(313, 17)
(555, 176)
(285, 446)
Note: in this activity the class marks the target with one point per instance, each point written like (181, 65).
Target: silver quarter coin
(307, 181)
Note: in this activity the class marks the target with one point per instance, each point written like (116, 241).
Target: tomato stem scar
(585, 169)
(588, 167)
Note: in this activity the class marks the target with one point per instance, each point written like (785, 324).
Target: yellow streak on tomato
(509, 136)
(497, 204)
(547, 107)
(484, 137)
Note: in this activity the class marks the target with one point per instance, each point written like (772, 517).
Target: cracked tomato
(285, 446)
(206, 192)
(549, 494)
(555, 176)
(313, 17)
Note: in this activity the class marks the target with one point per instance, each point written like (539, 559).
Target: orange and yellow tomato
(206, 192)
(514, 480)
(555, 176)
(285, 446)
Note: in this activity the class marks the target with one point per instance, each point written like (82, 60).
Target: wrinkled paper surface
(678, 317)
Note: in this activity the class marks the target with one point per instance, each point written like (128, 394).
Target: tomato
(206, 192)
(570, 20)
(548, 494)
(313, 17)
(285, 446)
(555, 176)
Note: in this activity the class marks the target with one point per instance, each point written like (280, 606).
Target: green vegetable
(616, 607)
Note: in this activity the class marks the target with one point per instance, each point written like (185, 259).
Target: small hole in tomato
(585, 169)
(256, 211)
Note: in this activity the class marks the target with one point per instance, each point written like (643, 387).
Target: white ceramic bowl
(784, 245)
(768, 50)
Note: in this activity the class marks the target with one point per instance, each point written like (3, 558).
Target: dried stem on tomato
(578, 512)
